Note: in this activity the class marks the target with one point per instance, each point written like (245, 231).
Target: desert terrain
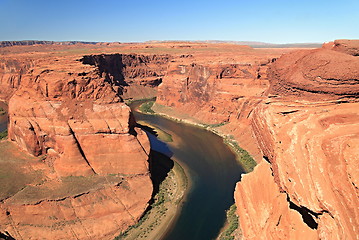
(75, 164)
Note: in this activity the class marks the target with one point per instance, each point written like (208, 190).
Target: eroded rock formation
(11, 71)
(222, 94)
(319, 73)
(300, 116)
(134, 76)
(350, 47)
(72, 116)
(309, 135)
(296, 115)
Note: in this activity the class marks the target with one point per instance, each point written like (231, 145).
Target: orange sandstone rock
(264, 211)
(319, 74)
(302, 116)
(69, 114)
(308, 134)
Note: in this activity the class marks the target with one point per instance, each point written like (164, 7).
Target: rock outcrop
(300, 117)
(309, 135)
(259, 199)
(134, 76)
(11, 71)
(73, 118)
(350, 47)
(319, 73)
(101, 212)
(217, 94)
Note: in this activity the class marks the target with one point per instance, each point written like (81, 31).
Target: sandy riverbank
(243, 157)
(162, 213)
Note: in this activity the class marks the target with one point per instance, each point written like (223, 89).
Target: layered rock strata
(11, 72)
(72, 117)
(309, 135)
(221, 95)
(134, 76)
(300, 117)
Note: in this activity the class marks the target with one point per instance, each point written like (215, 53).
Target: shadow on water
(160, 166)
(147, 129)
(160, 162)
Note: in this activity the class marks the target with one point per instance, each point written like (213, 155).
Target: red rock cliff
(72, 115)
(217, 93)
(133, 76)
(300, 115)
(309, 135)
(11, 71)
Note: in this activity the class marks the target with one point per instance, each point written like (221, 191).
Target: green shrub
(147, 107)
(244, 158)
(3, 134)
(232, 220)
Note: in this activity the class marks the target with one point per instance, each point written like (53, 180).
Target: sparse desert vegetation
(147, 107)
(228, 233)
(3, 134)
(163, 208)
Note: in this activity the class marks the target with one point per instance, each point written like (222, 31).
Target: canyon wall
(308, 133)
(134, 76)
(69, 114)
(11, 71)
(297, 116)
(218, 94)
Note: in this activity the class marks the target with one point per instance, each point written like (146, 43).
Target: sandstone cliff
(309, 135)
(11, 71)
(298, 113)
(134, 76)
(71, 115)
(218, 94)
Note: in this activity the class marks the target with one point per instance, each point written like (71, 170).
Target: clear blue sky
(276, 21)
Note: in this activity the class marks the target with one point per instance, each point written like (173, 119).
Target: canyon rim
(76, 165)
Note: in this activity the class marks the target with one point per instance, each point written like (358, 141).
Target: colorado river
(3, 117)
(213, 172)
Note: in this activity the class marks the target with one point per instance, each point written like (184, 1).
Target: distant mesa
(36, 42)
(253, 44)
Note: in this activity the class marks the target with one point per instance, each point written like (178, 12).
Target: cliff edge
(307, 131)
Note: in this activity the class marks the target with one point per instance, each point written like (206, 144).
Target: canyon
(85, 164)
(296, 116)
(92, 163)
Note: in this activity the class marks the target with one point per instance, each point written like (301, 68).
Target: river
(3, 118)
(213, 172)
